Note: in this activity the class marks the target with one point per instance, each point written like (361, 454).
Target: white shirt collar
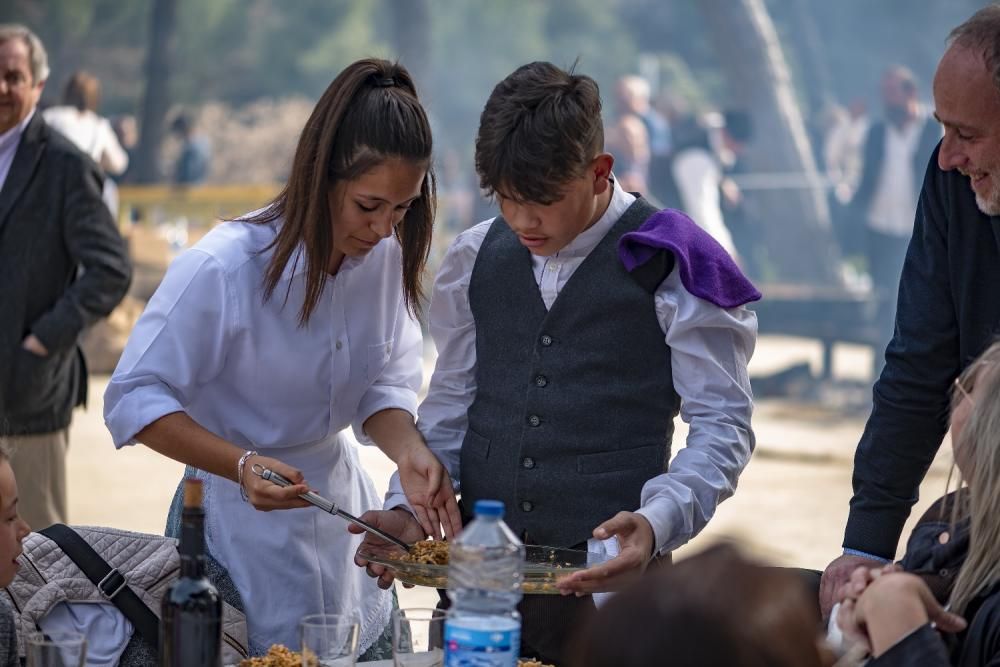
(10, 139)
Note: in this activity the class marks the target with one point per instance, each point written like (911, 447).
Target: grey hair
(981, 32)
(37, 56)
(980, 445)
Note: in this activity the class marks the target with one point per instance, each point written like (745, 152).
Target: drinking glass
(417, 637)
(329, 640)
(56, 649)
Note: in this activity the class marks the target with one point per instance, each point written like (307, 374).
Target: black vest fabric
(574, 406)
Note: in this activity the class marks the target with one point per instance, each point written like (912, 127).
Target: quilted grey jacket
(150, 564)
(8, 636)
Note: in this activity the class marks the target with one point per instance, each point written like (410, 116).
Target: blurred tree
(759, 82)
(156, 101)
(411, 32)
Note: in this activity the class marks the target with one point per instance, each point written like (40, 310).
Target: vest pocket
(650, 456)
(476, 444)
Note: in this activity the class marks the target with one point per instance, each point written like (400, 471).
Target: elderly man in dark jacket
(948, 310)
(63, 265)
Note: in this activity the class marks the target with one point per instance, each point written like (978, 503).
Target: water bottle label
(467, 647)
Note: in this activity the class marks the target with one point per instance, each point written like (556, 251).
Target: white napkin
(609, 548)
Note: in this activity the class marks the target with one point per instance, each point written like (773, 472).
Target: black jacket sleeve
(93, 241)
(911, 398)
(921, 647)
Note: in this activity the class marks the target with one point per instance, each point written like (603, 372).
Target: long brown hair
(370, 113)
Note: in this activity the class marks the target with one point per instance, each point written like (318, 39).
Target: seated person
(952, 556)
(715, 608)
(13, 530)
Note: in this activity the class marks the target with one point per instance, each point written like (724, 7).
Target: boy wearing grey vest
(571, 330)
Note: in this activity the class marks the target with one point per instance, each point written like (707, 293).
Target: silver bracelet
(239, 473)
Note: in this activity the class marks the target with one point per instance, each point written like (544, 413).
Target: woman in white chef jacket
(276, 332)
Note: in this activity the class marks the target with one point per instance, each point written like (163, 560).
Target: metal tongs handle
(326, 505)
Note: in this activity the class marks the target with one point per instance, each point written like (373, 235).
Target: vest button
(528, 462)
(527, 506)
(545, 340)
(534, 420)
(541, 381)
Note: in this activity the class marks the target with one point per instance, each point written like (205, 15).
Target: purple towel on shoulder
(706, 269)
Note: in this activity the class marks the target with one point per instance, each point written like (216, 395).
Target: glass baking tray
(543, 566)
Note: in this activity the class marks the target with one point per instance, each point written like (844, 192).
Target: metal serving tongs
(326, 505)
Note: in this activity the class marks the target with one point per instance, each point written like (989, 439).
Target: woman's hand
(892, 606)
(428, 490)
(266, 495)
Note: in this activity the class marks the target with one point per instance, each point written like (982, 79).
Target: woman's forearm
(181, 438)
(394, 432)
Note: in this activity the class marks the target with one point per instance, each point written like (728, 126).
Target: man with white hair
(63, 265)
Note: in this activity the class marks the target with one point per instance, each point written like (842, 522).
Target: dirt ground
(790, 507)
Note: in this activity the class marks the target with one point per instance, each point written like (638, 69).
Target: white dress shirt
(698, 177)
(710, 348)
(248, 372)
(92, 134)
(894, 202)
(9, 141)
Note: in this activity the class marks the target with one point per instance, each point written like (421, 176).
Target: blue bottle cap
(488, 508)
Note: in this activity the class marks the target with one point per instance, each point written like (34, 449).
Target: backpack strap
(109, 581)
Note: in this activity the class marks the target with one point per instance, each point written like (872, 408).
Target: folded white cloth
(106, 629)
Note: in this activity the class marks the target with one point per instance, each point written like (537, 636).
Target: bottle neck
(192, 547)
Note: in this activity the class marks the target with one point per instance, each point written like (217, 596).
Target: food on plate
(278, 656)
(428, 552)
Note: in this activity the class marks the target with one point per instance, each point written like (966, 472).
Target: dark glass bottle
(191, 614)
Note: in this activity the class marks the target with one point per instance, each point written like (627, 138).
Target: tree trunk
(794, 222)
(411, 32)
(157, 96)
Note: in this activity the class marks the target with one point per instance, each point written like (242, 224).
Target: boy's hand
(396, 521)
(428, 490)
(635, 536)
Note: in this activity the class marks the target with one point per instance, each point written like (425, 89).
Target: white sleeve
(709, 349)
(399, 382)
(178, 344)
(443, 413)
(114, 159)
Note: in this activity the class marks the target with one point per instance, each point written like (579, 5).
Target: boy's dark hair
(540, 129)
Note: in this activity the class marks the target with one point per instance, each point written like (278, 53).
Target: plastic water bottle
(485, 569)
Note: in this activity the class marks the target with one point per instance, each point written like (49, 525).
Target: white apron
(291, 563)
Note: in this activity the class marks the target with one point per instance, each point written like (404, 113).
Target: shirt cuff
(862, 554)
(137, 410)
(380, 398)
(657, 512)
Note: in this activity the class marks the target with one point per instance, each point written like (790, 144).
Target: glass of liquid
(56, 649)
(329, 640)
(418, 637)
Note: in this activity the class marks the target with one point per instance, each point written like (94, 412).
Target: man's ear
(600, 172)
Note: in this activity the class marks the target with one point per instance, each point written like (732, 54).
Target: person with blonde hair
(952, 582)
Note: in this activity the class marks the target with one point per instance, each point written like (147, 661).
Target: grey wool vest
(574, 406)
